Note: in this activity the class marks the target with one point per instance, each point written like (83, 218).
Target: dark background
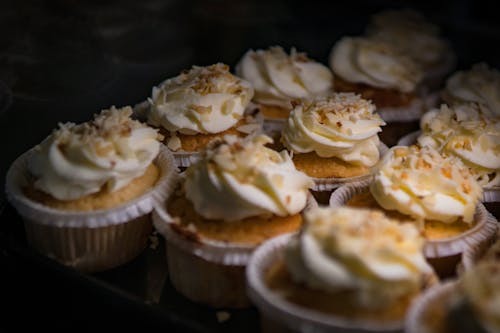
(66, 60)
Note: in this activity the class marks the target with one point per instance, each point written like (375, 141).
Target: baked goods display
(226, 165)
(334, 139)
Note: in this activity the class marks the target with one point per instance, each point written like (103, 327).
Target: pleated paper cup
(409, 139)
(480, 233)
(473, 254)
(89, 241)
(422, 313)
(280, 315)
(205, 271)
(329, 184)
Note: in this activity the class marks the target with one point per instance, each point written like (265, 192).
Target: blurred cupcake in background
(349, 269)
(380, 72)
(411, 33)
(199, 106)
(471, 133)
(334, 139)
(85, 193)
(278, 78)
(480, 84)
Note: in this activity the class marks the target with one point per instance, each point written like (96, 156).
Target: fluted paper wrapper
(279, 315)
(474, 253)
(417, 319)
(483, 231)
(409, 139)
(206, 271)
(89, 241)
(328, 184)
(403, 114)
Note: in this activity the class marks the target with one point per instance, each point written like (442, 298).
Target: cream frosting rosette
(375, 63)
(359, 250)
(423, 184)
(342, 125)
(242, 178)
(202, 100)
(465, 131)
(480, 84)
(410, 32)
(279, 78)
(77, 160)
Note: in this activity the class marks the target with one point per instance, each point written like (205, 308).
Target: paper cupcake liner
(409, 139)
(291, 317)
(484, 229)
(94, 240)
(234, 254)
(474, 253)
(403, 114)
(418, 312)
(328, 184)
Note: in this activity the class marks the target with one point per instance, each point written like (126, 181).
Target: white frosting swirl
(469, 133)
(360, 250)
(375, 63)
(243, 178)
(411, 33)
(342, 125)
(110, 151)
(425, 185)
(480, 84)
(481, 288)
(202, 100)
(278, 77)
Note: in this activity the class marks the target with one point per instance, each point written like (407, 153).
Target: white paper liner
(484, 229)
(293, 317)
(403, 114)
(474, 253)
(328, 184)
(409, 139)
(211, 250)
(414, 322)
(18, 176)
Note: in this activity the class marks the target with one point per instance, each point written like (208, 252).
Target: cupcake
(381, 73)
(279, 78)
(470, 304)
(348, 270)
(333, 139)
(239, 194)
(470, 133)
(480, 84)
(437, 193)
(411, 33)
(85, 193)
(199, 106)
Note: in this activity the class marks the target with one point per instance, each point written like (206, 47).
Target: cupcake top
(202, 100)
(375, 63)
(107, 152)
(240, 178)
(465, 131)
(423, 184)
(481, 288)
(480, 84)
(410, 32)
(278, 77)
(360, 250)
(342, 125)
